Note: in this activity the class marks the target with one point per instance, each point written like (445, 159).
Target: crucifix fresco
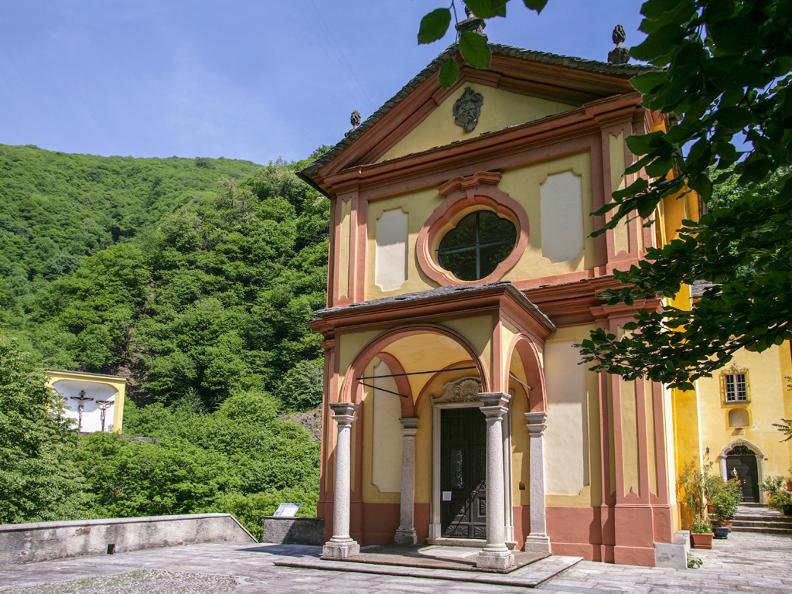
(81, 399)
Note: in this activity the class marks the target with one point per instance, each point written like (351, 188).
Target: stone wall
(309, 531)
(22, 543)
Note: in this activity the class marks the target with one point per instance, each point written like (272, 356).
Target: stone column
(341, 545)
(537, 540)
(495, 554)
(405, 534)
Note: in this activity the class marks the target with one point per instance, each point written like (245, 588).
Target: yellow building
(94, 401)
(462, 272)
(728, 419)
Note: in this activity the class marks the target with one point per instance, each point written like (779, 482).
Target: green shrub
(701, 525)
(251, 509)
(725, 505)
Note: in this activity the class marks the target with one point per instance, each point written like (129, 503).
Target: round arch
(349, 388)
(526, 349)
(742, 442)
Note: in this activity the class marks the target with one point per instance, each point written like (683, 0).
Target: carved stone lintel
(467, 109)
(465, 389)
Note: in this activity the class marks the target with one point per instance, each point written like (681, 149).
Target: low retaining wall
(22, 543)
(309, 531)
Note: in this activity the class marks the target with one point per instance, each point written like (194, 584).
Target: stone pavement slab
(745, 562)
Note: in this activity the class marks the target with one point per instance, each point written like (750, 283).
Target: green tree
(722, 75)
(37, 478)
(301, 388)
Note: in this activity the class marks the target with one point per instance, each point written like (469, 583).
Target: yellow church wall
(564, 435)
(343, 248)
(524, 185)
(500, 109)
(621, 233)
(382, 456)
(768, 403)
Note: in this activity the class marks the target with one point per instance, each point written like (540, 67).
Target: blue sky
(248, 79)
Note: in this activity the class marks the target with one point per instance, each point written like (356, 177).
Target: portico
(480, 357)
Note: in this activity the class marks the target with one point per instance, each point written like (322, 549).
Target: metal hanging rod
(519, 381)
(363, 377)
(383, 389)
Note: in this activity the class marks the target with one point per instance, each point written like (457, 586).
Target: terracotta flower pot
(701, 540)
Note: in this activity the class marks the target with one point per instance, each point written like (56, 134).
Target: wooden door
(741, 462)
(463, 464)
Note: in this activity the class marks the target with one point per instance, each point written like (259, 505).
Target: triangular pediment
(520, 86)
(498, 109)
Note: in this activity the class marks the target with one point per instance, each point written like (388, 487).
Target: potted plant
(701, 532)
(724, 506)
(777, 495)
(781, 500)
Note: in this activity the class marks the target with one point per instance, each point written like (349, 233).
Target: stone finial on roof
(619, 54)
(354, 119)
(471, 23)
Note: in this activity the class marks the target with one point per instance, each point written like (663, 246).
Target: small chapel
(462, 273)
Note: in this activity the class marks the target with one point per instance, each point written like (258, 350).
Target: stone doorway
(463, 468)
(741, 463)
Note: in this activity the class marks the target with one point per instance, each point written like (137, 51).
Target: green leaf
(638, 186)
(659, 167)
(486, 9)
(434, 25)
(474, 49)
(703, 185)
(645, 143)
(449, 73)
(537, 5)
(646, 82)
(659, 43)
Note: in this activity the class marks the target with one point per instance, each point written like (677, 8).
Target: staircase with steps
(755, 517)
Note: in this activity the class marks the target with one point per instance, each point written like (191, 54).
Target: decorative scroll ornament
(467, 109)
(465, 389)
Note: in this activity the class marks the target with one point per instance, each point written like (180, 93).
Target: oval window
(480, 241)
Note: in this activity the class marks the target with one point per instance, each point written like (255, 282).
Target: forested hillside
(195, 278)
(170, 271)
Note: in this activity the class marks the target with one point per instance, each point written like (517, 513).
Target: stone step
(751, 504)
(768, 523)
(764, 518)
(762, 530)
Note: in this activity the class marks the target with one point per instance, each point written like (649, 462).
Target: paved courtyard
(746, 562)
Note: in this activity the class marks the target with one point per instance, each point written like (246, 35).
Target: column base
(495, 559)
(405, 536)
(537, 543)
(340, 548)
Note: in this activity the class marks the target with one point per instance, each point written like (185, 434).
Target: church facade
(462, 273)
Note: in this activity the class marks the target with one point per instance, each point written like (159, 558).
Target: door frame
(758, 454)
(435, 525)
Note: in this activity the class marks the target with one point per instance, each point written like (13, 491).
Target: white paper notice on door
(446, 495)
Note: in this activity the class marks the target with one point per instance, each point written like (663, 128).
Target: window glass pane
(479, 242)
(462, 264)
(492, 256)
(494, 228)
(464, 234)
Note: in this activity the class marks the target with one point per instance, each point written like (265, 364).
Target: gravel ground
(135, 582)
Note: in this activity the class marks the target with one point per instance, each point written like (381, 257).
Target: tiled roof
(436, 293)
(625, 71)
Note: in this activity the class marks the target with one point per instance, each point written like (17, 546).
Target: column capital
(344, 412)
(409, 425)
(537, 423)
(494, 404)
